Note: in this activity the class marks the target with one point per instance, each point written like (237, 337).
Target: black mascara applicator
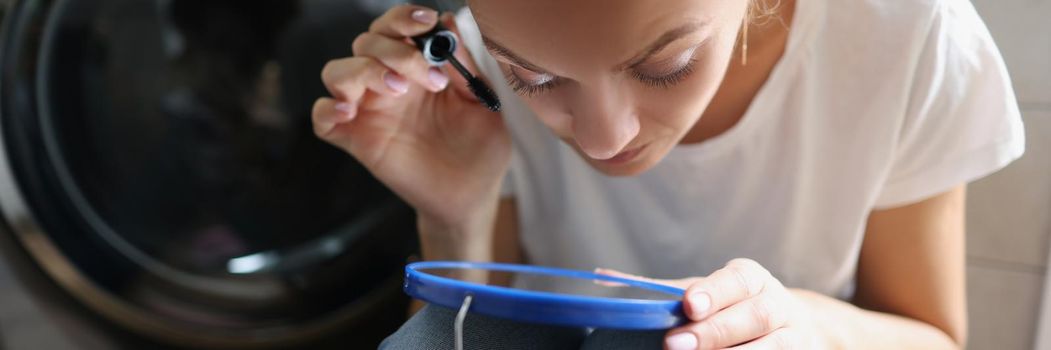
(438, 46)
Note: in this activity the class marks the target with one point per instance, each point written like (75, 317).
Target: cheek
(670, 114)
(680, 106)
(552, 112)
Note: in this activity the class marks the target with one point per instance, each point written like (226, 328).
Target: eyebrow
(504, 52)
(662, 41)
(656, 46)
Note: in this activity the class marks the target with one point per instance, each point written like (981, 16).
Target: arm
(495, 238)
(910, 293)
(506, 247)
(490, 236)
(911, 277)
(910, 281)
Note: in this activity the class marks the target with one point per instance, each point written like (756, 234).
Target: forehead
(568, 35)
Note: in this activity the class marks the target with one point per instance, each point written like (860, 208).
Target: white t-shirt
(875, 104)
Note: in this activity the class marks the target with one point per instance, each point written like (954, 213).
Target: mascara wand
(438, 46)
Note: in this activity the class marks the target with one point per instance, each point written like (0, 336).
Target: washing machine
(161, 187)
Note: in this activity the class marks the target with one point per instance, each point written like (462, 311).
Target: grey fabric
(602, 339)
(432, 328)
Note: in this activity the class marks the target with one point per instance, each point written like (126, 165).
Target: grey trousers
(432, 328)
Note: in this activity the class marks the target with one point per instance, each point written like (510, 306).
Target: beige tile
(1003, 307)
(1022, 30)
(1008, 212)
(1043, 338)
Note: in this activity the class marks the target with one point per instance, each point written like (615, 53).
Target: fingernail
(424, 16)
(396, 82)
(681, 341)
(438, 78)
(346, 109)
(699, 303)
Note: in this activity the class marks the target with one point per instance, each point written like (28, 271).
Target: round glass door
(165, 149)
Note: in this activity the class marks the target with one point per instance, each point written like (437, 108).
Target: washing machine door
(159, 166)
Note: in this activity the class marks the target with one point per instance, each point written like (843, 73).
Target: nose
(604, 123)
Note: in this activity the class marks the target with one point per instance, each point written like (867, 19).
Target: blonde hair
(758, 12)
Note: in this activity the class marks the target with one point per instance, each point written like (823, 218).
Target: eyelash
(662, 82)
(667, 80)
(523, 88)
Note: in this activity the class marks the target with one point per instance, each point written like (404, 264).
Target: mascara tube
(438, 46)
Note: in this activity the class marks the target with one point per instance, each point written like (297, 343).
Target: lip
(624, 156)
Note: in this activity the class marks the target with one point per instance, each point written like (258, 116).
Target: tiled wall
(1009, 213)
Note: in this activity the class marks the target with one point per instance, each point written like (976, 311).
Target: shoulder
(878, 25)
(876, 16)
(894, 46)
(899, 25)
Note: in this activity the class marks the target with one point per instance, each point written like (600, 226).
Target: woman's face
(622, 81)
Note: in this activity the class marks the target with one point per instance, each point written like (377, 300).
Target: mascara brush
(438, 46)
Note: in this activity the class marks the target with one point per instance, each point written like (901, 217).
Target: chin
(648, 156)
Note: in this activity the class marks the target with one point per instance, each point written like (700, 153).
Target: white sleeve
(507, 188)
(472, 40)
(962, 120)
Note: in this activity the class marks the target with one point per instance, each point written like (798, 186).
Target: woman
(808, 158)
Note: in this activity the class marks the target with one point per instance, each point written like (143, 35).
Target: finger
(401, 57)
(405, 21)
(612, 273)
(678, 283)
(739, 323)
(739, 280)
(328, 112)
(780, 339)
(348, 79)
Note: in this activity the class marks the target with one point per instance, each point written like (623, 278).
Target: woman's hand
(741, 306)
(417, 128)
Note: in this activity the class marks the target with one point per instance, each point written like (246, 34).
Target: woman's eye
(666, 80)
(656, 74)
(529, 83)
(682, 67)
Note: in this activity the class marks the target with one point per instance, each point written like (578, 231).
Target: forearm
(475, 241)
(470, 240)
(846, 326)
